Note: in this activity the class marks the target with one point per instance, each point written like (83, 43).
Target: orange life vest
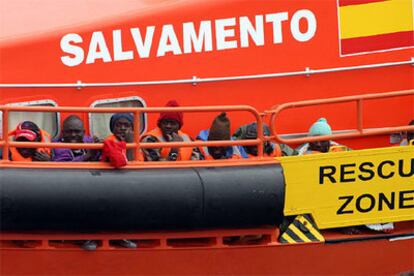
(184, 153)
(112, 138)
(337, 148)
(311, 152)
(16, 156)
(207, 156)
(277, 152)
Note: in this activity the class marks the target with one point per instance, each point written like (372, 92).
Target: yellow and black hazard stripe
(302, 229)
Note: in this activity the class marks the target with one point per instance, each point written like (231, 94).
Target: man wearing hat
(168, 130)
(270, 149)
(114, 150)
(28, 131)
(320, 128)
(219, 130)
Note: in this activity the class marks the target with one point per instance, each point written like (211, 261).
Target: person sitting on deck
(219, 130)
(114, 150)
(270, 149)
(320, 128)
(74, 132)
(409, 136)
(168, 130)
(28, 131)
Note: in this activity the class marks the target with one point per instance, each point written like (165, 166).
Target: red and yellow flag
(374, 25)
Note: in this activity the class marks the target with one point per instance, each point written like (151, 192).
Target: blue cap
(320, 128)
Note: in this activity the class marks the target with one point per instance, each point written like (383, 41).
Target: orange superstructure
(282, 63)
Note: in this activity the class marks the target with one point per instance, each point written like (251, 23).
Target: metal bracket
(79, 85)
(308, 71)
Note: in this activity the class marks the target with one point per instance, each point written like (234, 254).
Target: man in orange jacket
(28, 131)
(168, 130)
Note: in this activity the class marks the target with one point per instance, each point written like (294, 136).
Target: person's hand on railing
(174, 137)
(174, 152)
(41, 156)
(93, 154)
(129, 136)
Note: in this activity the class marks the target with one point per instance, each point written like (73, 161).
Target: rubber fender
(150, 199)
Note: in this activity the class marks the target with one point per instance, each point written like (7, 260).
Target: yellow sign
(351, 188)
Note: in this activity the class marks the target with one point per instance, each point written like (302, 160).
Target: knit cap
(220, 128)
(177, 116)
(117, 116)
(251, 131)
(320, 128)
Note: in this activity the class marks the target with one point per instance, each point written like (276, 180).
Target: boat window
(48, 121)
(99, 122)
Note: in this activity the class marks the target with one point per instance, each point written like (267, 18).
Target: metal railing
(359, 131)
(137, 145)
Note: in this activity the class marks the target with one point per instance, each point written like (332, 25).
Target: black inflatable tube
(127, 200)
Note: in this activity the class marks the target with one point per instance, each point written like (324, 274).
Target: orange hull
(360, 256)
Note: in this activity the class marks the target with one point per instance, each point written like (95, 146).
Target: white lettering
(294, 25)
(195, 37)
(168, 41)
(191, 39)
(143, 48)
(76, 51)
(246, 29)
(276, 20)
(98, 49)
(119, 54)
(222, 33)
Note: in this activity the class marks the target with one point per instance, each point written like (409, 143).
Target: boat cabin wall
(198, 40)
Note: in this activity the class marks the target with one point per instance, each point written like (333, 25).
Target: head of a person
(320, 128)
(410, 134)
(73, 130)
(121, 124)
(170, 122)
(27, 131)
(251, 133)
(219, 130)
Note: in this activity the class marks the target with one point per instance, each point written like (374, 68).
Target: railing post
(6, 135)
(260, 136)
(359, 116)
(137, 134)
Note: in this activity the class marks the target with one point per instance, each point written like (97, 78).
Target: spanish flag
(375, 25)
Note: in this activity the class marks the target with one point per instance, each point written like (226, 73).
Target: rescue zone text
(365, 171)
